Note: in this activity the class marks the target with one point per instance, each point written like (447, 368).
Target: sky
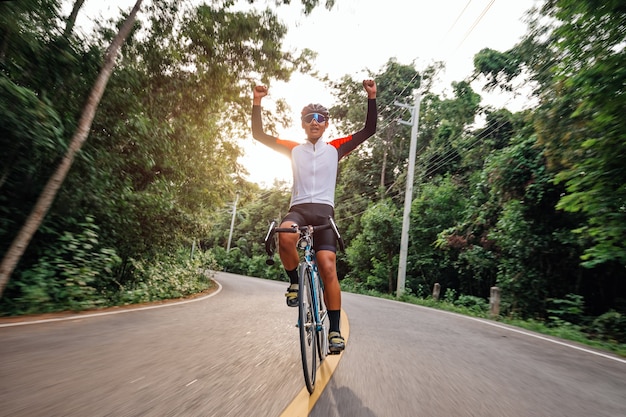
(361, 35)
(358, 36)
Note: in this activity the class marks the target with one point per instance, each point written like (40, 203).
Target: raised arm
(258, 133)
(259, 92)
(372, 113)
(348, 144)
(370, 88)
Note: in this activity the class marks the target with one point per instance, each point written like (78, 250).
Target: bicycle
(312, 313)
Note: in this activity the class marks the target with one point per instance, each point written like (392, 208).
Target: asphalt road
(236, 354)
(405, 360)
(233, 354)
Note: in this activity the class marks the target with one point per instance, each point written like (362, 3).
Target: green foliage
(578, 65)
(160, 159)
(477, 266)
(499, 68)
(258, 268)
(610, 326)
(568, 310)
(308, 5)
(168, 277)
(70, 275)
(372, 253)
(449, 295)
(31, 139)
(71, 279)
(438, 207)
(520, 279)
(236, 262)
(472, 303)
(377, 166)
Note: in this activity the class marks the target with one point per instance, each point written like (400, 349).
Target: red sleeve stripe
(287, 143)
(338, 142)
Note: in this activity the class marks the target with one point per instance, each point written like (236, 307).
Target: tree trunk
(71, 20)
(49, 192)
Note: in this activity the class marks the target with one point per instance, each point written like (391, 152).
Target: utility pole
(408, 195)
(232, 223)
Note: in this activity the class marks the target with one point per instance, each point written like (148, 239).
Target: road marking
(137, 380)
(519, 331)
(303, 403)
(192, 382)
(547, 339)
(108, 313)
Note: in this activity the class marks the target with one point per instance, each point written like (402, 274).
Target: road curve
(234, 354)
(237, 354)
(405, 360)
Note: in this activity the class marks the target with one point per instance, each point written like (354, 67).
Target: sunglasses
(319, 118)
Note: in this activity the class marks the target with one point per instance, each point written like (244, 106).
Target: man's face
(314, 130)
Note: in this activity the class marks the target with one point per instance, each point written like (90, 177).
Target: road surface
(236, 353)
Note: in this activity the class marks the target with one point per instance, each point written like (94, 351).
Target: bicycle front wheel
(306, 325)
(323, 325)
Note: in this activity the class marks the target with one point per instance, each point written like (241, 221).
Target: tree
(12, 256)
(158, 144)
(587, 138)
(439, 205)
(373, 254)
(382, 158)
(574, 54)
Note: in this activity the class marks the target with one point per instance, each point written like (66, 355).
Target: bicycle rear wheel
(306, 325)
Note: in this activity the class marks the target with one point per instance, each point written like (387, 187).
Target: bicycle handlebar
(298, 229)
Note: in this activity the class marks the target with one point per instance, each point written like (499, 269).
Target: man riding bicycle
(314, 165)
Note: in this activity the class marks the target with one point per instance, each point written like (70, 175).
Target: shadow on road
(340, 402)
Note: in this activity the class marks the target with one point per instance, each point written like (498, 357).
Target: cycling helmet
(315, 108)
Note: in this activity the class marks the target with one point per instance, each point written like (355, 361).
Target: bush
(258, 268)
(472, 303)
(165, 278)
(610, 326)
(566, 311)
(70, 275)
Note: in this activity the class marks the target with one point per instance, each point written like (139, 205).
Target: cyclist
(314, 165)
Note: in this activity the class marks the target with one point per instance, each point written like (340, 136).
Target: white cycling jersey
(314, 169)
(315, 166)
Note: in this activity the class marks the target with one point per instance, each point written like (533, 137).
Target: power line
(485, 10)
(459, 17)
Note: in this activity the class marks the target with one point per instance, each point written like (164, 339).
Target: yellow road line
(302, 405)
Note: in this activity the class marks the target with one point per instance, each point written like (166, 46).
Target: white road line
(525, 333)
(192, 382)
(547, 339)
(108, 313)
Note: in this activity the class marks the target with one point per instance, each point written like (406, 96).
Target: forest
(533, 202)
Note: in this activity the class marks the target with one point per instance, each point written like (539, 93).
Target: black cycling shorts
(312, 214)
